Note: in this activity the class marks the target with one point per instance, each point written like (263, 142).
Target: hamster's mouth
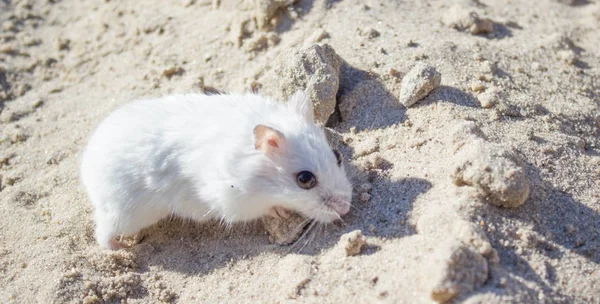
(333, 209)
(329, 209)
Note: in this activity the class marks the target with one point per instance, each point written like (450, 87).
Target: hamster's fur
(231, 157)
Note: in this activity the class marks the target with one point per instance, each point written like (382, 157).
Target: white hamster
(232, 157)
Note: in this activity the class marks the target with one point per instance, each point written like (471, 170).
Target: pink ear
(268, 140)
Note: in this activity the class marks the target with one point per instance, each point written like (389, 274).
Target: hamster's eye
(306, 180)
(338, 156)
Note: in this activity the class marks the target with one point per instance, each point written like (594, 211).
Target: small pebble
(477, 86)
(416, 142)
(567, 56)
(319, 35)
(71, 273)
(478, 57)
(418, 83)
(394, 73)
(91, 299)
(581, 144)
(373, 33)
(21, 89)
(8, 26)
(18, 136)
(482, 26)
(63, 44)
(38, 103)
(11, 180)
(366, 187)
(170, 72)
(487, 99)
(372, 228)
(484, 77)
(8, 116)
(365, 197)
(353, 242)
(375, 161)
(462, 19)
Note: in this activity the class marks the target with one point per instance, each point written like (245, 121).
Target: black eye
(306, 180)
(338, 156)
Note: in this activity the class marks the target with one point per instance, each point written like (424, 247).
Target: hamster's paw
(279, 212)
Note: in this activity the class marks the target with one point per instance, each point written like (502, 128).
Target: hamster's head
(301, 171)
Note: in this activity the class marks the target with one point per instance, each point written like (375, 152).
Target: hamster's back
(141, 145)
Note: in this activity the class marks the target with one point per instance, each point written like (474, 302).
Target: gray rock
(315, 70)
(455, 269)
(266, 10)
(465, 20)
(418, 83)
(497, 174)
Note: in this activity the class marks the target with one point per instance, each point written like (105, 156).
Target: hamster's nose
(340, 206)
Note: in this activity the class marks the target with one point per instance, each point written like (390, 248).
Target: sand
(520, 77)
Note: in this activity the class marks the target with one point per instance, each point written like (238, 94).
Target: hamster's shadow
(199, 248)
(386, 215)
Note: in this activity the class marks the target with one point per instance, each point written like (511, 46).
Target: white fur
(194, 156)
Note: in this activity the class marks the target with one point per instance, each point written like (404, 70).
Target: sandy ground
(530, 87)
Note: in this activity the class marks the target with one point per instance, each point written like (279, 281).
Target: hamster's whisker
(303, 235)
(349, 203)
(339, 217)
(355, 207)
(306, 243)
(313, 234)
(310, 228)
(299, 250)
(301, 226)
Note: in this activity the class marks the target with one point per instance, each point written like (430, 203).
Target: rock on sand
(497, 174)
(315, 70)
(418, 83)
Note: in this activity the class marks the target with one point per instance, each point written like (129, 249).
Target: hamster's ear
(268, 140)
(302, 105)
